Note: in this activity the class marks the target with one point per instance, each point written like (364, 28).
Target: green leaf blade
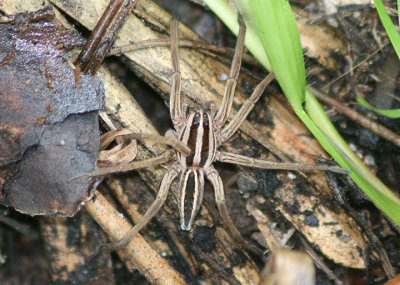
(393, 114)
(388, 25)
(280, 38)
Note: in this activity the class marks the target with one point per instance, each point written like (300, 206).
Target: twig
(103, 35)
(358, 118)
(198, 45)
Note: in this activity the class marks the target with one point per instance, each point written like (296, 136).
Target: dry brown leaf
(119, 154)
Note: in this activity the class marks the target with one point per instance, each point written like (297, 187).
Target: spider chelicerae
(196, 137)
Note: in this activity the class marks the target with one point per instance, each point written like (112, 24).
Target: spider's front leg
(227, 100)
(177, 105)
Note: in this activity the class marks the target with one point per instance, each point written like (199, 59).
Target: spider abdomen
(191, 188)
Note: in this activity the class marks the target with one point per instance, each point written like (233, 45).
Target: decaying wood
(68, 245)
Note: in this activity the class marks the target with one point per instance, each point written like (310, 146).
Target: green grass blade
(394, 114)
(388, 25)
(230, 18)
(281, 41)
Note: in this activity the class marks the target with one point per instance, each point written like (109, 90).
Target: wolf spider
(198, 134)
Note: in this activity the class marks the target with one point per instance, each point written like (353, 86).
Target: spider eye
(196, 119)
(205, 119)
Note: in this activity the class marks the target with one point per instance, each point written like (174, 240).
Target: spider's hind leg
(216, 181)
(159, 201)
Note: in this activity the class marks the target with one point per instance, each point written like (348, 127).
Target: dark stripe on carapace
(194, 139)
(205, 145)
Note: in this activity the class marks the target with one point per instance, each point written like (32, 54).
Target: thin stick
(359, 118)
(103, 35)
(206, 48)
(93, 43)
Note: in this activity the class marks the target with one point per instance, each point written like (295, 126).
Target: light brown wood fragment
(138, 251)
(69, 244)
(54, 231)
(319, 40)
(394, 281)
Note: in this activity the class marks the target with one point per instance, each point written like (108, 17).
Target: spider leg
(169, 139)
(176, 104)
(166, 182)
(216, 181)
(247, 106)
(227, 100)
(259, 163)
(164, 157)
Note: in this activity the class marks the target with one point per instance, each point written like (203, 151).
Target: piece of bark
(49, 127)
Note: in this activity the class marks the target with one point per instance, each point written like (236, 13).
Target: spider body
(198, 135)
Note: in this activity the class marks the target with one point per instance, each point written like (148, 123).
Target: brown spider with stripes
(196, 138)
